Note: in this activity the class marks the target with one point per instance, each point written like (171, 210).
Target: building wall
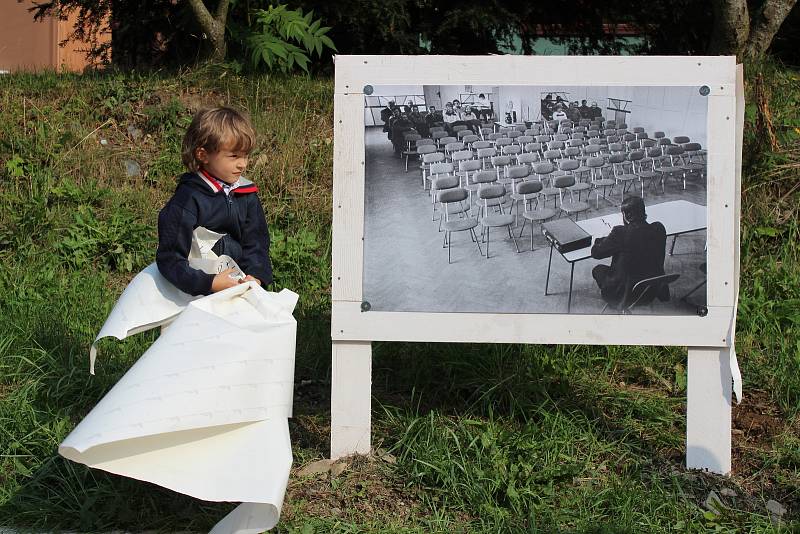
(30, 45)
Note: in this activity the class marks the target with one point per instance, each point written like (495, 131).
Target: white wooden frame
(352, 329)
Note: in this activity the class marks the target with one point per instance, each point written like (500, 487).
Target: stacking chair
(561, 137)
(469, 139)
(533, 147)
(637, 169)
(572, 152)
(516, 174)
(568, 167)
(622, 175)
(512, 150)
(442, 178)
(513, 134)
(501, 142)
(648, 166)
(411, 146)
(664, 143)
(529, 192)
(641, 136)
(477, 145)
(544, 171)
(680, 140)
(551, 155)
(494, 137)
(438, 135)
(528, 158)
(489, 196)
(501, 163)
(462, 155)
(459, 128)
(449, 148)
(570, 207)
(523, 140)
(434, 129)
(421, 151)
(456, 196)
(531, 131)
(461, 134)
(485, 155)
(467, 168)
(444, 141)
(674, 154)
(642, 293)
(693, 163)
(598, 181)
(543, 139)
(427, 161)
(637, 129)
(616, 148)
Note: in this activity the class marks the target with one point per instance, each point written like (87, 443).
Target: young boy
(215, 195)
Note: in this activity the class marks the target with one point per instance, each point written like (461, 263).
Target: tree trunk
(731, 27)
(213, 27)
(766, 24)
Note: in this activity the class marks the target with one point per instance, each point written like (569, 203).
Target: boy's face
(227, 164)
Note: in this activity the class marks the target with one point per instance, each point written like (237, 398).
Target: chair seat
(669, 170)
(580, 186)
(549, 192)
(626, 177)
(458, 225)
(492, 202)
(574, 207)
(582, 169)
(693, 167)
(603, 182)
(648, 175)
(500, 219)
(539, 214)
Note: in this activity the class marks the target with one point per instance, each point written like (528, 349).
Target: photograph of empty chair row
(535, 199)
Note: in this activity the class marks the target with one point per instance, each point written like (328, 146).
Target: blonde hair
(211, 129)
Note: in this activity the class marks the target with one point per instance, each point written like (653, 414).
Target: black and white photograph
(528, 199)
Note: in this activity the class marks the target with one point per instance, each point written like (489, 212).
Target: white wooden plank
(708, 410)
(722, 202)
(351, 396)
(348, 197)
(350, 323)
(354, 72)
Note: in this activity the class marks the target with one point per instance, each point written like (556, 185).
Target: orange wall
(26, 44)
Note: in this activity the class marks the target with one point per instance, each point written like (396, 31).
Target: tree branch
(207, 22)
(766, 24)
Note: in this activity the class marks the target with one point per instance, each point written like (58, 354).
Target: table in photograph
(678, 217)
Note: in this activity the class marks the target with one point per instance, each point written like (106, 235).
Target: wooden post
(708, 410)
(351, 398)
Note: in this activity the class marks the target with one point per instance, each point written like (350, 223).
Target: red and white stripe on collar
(216, 185)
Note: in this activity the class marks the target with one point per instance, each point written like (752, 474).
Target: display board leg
(708, 410)
(351, 396)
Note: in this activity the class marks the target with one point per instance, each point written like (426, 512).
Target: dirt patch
(364, 490)
(756, 421)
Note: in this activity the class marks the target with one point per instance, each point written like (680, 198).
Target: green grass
(481, 438)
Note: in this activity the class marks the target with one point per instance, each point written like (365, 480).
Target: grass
(471, 438)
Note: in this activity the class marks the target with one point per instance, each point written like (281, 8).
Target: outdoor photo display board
(485, 221)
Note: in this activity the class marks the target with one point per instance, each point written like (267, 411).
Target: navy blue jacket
(201, 202)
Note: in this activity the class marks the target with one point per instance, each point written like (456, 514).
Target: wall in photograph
(400, 93)
(673, 110)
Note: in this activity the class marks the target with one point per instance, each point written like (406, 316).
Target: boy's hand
(249, 278)
(223, 280)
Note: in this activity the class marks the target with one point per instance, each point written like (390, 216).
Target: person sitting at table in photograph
(457, 108)
(399, 127)
(636, 250)
(470, 119)
(595, 112)
(434, 117)
(547, 107)
(386, 115)
(572, 112)
(418, 120)
(394, 118)
(585, 110)
(450, 117)
(559, 114)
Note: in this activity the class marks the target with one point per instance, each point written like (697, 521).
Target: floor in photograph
(406, 269)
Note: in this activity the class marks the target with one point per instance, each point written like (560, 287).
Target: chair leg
(516, 246)
(477, 241)
(449, 244)
(488, 237)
